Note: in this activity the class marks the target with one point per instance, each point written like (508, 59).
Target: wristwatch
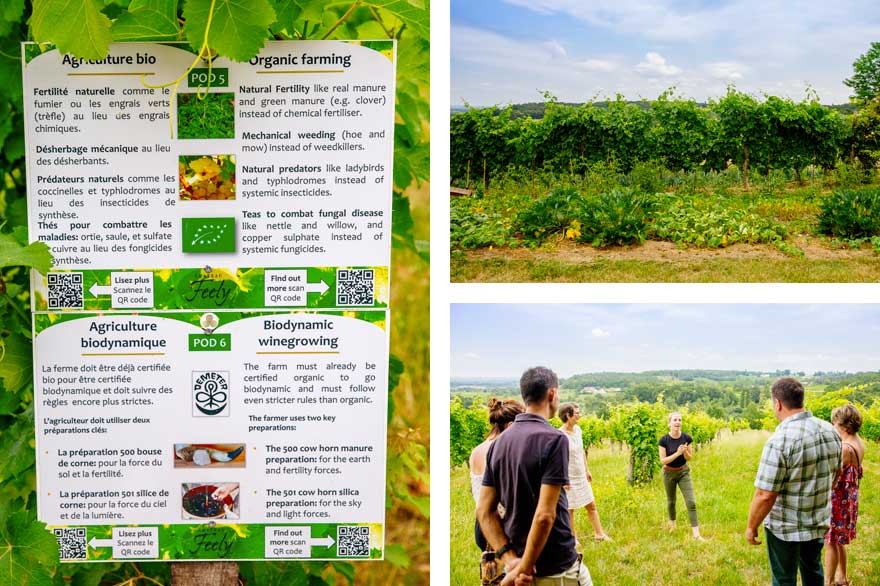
(503, 550)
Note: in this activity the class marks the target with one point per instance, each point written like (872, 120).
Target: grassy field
(645, 554)
(499, 266)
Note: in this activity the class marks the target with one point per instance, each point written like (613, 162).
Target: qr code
(71, 543)
(352, 541)
(355, 286)
(65, 290)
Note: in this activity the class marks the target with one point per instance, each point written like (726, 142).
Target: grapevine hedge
(682, 135)
(28, 553)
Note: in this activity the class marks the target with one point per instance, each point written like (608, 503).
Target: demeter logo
(208, 234)
(210, 393)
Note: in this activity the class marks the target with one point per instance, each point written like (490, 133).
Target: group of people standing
(528, 478)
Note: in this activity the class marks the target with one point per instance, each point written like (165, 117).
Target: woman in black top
(675, 451)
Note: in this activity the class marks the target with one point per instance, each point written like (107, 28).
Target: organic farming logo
(208, 234)
(210, 393)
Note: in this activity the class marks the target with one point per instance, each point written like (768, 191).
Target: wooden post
(746, 165)
(485, 185)
(204, 574)
(467, 180)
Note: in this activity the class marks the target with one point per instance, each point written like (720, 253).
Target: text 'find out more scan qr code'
(355, 286)
(65, 290)
(71, 542)
(352, 541)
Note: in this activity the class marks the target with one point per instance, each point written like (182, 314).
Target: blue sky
(508, 51)
(502, 340)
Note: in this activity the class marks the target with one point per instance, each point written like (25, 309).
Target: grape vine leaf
(402, 223)
(415, 14)
(238, 29)
(18, 451)
(153, 20)
(10, 14)
(290, 11)
(74, 27)
(9, 401)
(35, 255)
(28, 552)
(15, 361)
(397, 556)
(10, 69)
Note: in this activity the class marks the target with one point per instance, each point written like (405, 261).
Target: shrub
(550, 214)
(616, 217)
(851, 213)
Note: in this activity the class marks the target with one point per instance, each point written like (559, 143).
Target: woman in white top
(501, 415)
(580, 491)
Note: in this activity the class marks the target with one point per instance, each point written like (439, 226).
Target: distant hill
(536, 109)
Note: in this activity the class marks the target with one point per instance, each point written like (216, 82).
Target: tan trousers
(577, 575)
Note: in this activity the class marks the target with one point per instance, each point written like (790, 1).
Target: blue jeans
(787, 556)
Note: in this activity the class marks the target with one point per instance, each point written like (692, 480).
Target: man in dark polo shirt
(526, 468)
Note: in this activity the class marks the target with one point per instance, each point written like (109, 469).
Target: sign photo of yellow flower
(206, 177)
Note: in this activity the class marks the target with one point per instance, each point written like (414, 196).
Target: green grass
(644, 554)
(473, 267)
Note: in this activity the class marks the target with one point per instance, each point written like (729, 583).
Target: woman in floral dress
(845, 495)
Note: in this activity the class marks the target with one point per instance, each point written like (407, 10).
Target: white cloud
(600, 333)
(555, 49)
(727, 70)
(655, 64)
(596, 65)
(472, 355)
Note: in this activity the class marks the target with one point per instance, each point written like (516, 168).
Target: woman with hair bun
(501, 415)
(844, 494)
(676, 449)
(580, 491)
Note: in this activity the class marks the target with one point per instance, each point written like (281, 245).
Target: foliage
(866, 75)
(866, 138)
(712, 223)
(468, 427)
(616, 217)
(851, 213)
(477, 229)
(550, 214)
(639, 425)
(238, 30)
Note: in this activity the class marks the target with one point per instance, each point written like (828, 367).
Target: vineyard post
(202, 573)
(467, 178)
(485, 185)
(746, 165)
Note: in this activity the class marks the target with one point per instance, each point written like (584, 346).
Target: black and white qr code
(352, 541)
(65, 290)
(71, 542)
(355, 287)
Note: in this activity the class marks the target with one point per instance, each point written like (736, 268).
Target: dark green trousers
(786, 557)
(681, 479)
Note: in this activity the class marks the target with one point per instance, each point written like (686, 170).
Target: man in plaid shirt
(793, 485)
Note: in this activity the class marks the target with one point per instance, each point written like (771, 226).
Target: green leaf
(9, 401)
(16, 368)
(148, 20)
(402, 223)
(397, 556)
(36, 255)
(395, 370)
(238, 29)
(290, 11)
(28, 554)
(10, 69)
(415, 15)
(10, 14)
(74, 27)
(344, 569)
